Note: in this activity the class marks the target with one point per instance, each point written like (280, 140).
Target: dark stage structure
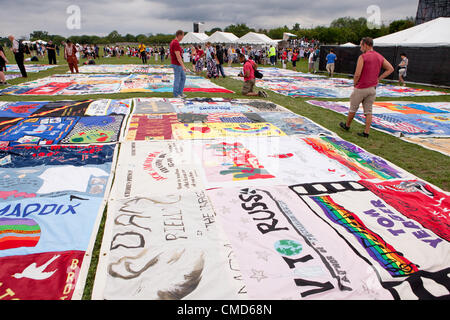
(431, 9)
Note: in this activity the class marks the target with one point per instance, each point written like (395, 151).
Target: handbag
(258, 74)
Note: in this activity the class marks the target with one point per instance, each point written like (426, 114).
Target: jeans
(220, 70)
(179, 80)
(272, 60)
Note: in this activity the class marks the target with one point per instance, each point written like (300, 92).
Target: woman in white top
(230, 56)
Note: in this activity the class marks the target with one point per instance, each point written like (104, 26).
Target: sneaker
(183, 95)
(363, 134)
(344, 126)
(263, 94)
(4, 83)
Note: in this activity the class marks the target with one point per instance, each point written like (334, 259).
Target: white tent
(287, 35)
(222, 37)
(432, 33)
(33, 42)
(254, 38)
(194, 37)
(348, 44)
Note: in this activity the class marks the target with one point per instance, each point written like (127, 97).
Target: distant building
(432, 9)
(199, 27)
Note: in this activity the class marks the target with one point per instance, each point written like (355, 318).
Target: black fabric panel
(428, 65)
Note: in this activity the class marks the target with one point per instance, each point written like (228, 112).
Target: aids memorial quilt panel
(51, 200)
(316, 241)
(160, 166)
(33, 68)
(63, 122)
(166, 248)
(321, 87)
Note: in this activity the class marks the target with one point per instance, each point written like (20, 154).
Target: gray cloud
(21, 17)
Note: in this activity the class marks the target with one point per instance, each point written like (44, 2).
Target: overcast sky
(100, 17)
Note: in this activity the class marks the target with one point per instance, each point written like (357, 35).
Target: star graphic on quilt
(258, 275)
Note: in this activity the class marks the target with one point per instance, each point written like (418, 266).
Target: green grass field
(428, 165)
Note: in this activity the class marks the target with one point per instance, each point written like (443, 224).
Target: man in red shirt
(365, 83)
(249, 77)
(178, 66)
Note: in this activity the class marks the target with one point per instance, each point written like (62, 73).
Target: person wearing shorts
(365, 83)
(403, 67)
(331, 59)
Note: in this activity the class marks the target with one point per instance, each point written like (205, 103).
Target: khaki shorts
(330, 67)
(248, 86)
(365, 96)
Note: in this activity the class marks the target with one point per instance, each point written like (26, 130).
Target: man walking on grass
(331, 59)
(178, 66)
(365, 83)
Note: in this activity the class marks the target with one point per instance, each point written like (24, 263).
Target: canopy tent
(429, 34)
(348, 44)
(33, 42)
(287, 35)
(254, 38)
(194, 38)
(222, 37)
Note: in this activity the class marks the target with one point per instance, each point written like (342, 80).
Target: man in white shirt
(17, 49)
(311, 61)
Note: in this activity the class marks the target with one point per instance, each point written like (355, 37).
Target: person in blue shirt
(331, 59)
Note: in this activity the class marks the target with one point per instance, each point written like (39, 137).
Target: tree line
(341, 30)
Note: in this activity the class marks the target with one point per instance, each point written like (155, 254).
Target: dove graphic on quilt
(35, 272)
(71, 178)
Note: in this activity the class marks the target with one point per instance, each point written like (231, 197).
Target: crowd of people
(366, 76)
(198, 54)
